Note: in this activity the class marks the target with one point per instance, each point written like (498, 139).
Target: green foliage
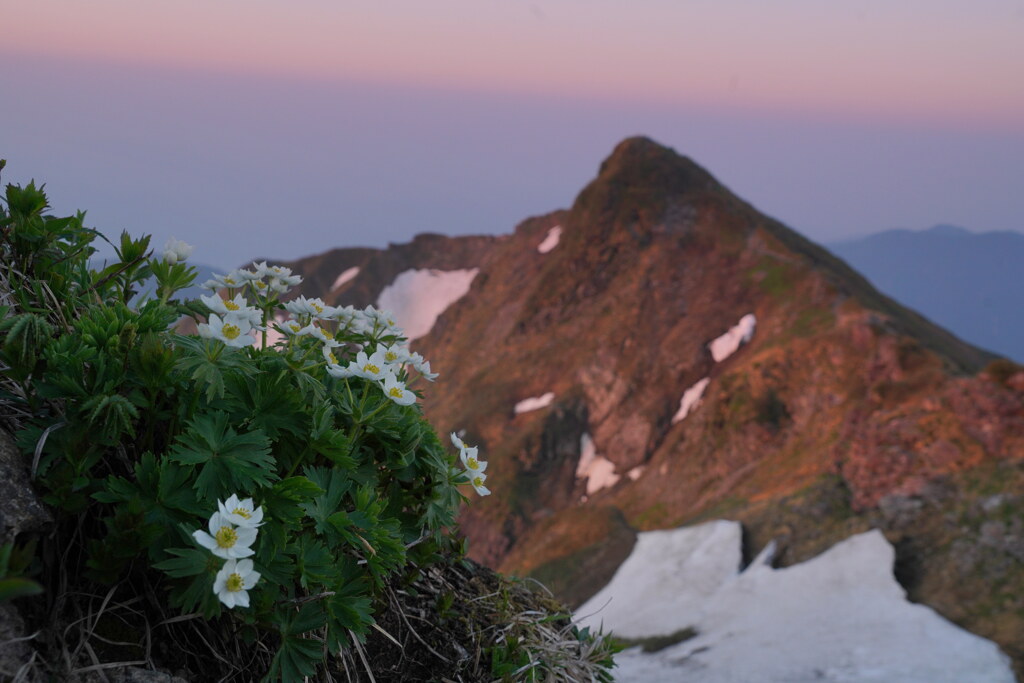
(138, 434)
(12, 565)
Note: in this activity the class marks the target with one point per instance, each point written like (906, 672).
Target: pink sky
(363, 122)
(932, 61)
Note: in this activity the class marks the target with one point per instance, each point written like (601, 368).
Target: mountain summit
(662, 353)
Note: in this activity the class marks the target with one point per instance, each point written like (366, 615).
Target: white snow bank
(551, 240)
(598, 470)
(690, 400)
(665, 581)
(535, 403)
(345, 276)
(838, 617)
(418, 297)
(726, 345)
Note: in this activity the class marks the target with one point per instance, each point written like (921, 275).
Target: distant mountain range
(662, 354)
(970, 283)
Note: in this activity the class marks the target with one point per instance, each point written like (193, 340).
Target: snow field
(838, 617)
(345, 276)
(418, 297)
(550, 240)
(727, 344)
(536, 403)
(690, 400)
(598, 470)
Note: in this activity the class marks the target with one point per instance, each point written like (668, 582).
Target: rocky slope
(704, 361)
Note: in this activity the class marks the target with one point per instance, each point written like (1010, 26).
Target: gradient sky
(265, 128)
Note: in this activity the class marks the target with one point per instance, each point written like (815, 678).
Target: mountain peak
(642, 160)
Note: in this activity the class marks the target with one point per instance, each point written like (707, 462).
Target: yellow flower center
(260, 284)
(229, 281)
(471, 463)
(317, 307)
(234, 583)
(242, 512)
(371, 368)
(395, 391)
(390, 356)
(477, 481)
(230, 305)
(295, 327)
(226, 537)
(231, 331)
(333, 358)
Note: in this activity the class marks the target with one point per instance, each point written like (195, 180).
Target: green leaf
(284, 501)
(114, 414)
(207, 360)
(298, 657)
(186, 562)
(334, 484)
(296, 660)
(315, 563)
(17, 587)
(228, 462)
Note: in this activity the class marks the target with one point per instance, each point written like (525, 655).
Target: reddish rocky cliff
(838, 410)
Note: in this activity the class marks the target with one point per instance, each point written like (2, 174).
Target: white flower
(345, 315)
(293, 328)
(240, 512)
(396, 390)
(370, 367)
(470, 461)
(225, 539)
(233, 330)
(457, 442)
(314, 307)
(424, 370)
(175, 250)
(317, 332)
(396, 353)
(238, 306)
(422, 366)
(258, 285)
(328, 351)
(478, 483)
(233, 581)
(340, 372)
(231, 280)
(284, 283)
(278, 271)
(260, 269)
(248, 275)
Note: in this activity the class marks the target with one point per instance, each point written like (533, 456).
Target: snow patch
(690, 400)
(551, 240)
(418, 297)
(726, 345)
(535, 403)
(840, 616)
(598, 470)
(345, 276)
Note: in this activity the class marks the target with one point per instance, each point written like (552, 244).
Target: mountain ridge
(927, 269)
(843, 410)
